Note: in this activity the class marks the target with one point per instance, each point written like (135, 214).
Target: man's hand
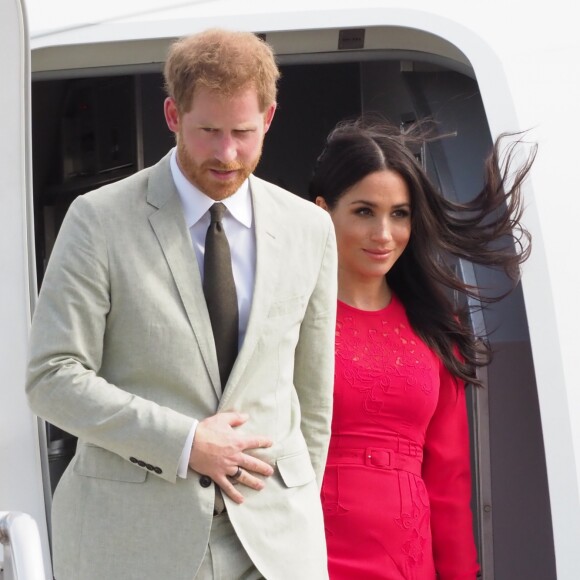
(218, 451)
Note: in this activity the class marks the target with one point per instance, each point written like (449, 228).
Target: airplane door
(511, 500)
(21, 480)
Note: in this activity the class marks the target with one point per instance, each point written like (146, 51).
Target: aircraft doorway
(88, 131)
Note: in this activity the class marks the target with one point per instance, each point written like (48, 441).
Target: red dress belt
(376, 457)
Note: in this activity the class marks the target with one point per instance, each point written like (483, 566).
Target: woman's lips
(378, 254)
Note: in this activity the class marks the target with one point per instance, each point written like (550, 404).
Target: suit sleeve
(66, 350)
(314, 362)
(447, 476)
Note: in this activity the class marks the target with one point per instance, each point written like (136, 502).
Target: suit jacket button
(158, 470)
(140, 463)
(205, 481)
(133, 459)
(149, 466)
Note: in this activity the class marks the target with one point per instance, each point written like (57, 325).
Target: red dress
(397, 486)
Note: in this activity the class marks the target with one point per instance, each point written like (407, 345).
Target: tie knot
(217, 211)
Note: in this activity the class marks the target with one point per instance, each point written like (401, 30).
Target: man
(186, 466)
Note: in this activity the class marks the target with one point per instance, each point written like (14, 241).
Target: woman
(396, 491)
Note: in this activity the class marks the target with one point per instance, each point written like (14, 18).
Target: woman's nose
(382, 231)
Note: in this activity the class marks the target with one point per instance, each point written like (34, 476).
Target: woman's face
(372, 221)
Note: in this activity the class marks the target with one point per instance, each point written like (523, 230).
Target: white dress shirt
(238, 224)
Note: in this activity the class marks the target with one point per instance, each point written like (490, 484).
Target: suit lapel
(169, 226)
(267, 265)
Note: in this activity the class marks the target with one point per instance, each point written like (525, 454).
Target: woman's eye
(401, 213)
(365, 211)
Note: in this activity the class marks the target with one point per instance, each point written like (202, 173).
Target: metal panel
(510, 443)
(19, 534)
(21, 481)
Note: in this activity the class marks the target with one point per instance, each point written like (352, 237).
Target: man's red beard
(201, 177)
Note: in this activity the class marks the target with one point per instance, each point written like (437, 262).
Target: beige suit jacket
(122, 356)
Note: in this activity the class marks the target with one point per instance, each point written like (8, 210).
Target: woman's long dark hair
(486, 230)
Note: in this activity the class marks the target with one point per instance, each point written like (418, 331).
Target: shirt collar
(196, 204)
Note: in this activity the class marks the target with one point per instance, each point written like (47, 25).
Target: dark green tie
(220, 292)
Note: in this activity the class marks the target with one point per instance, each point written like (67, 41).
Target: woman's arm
(447, 476)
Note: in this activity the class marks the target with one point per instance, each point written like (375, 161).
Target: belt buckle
(380, 458)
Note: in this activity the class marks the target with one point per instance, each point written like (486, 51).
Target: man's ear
(172, 117)
(321, 202)
(268, 116)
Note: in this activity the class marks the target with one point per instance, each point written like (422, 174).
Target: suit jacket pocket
(97, 462)
(296, 469)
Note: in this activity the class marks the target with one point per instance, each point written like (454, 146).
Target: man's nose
(225, 150)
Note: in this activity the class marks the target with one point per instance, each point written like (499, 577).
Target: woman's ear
(321, 202)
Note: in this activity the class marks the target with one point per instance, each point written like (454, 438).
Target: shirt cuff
(184, 459)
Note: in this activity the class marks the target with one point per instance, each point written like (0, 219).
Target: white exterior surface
(525, 57)
(20, 479)
(23, 551)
